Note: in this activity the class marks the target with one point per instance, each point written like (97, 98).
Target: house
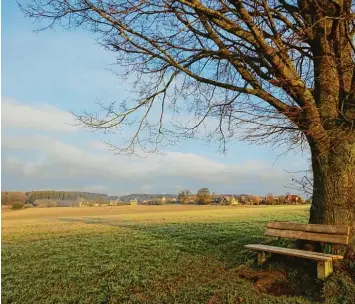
(293, 199)
(133, 202)
(156, 201)
(233, 201)
(191, 199)
(226, 200)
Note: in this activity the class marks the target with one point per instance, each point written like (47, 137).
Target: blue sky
(47, 74)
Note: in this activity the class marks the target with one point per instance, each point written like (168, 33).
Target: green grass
(162, 255)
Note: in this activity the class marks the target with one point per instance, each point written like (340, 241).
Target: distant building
(133, 202)
(293, 199)
(191, 199)
(226, 200)
(233, 201)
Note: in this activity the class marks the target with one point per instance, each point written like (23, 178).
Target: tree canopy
(183, 196)
(246, 63)
(204, 196)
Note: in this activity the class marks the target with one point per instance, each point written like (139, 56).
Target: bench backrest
(311, 232)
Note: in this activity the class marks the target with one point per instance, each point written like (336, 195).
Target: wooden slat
(310, 236)
(329, 229)
(261, 247)
(287, 251)
(333, 256)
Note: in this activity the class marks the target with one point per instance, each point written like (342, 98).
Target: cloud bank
(52, 161)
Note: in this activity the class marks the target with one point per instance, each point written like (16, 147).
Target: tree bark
(333, 199)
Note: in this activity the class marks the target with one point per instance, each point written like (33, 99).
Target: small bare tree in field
(183, 196)
(283, 71)
(204, 196)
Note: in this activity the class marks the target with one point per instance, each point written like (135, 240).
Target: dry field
(146, 213)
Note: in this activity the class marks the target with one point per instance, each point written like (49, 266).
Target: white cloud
(67, 161)
(47, 160)
(41, 117)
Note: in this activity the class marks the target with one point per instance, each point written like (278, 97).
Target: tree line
(64, 195)
(11, 197)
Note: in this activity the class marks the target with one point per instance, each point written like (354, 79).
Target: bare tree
(204, 196)
(183, 196)
(283, 71)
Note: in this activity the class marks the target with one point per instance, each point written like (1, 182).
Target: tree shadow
(224, 241)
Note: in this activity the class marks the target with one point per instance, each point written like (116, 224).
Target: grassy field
(136, 254)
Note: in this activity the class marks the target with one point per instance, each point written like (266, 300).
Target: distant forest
(64, 196)
(11, 197)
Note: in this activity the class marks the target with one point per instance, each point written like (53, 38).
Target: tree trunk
(333, 199)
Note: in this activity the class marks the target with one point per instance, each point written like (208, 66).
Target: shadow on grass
(224, 241)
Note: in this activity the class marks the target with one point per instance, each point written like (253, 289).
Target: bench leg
(261, 257)
(324, 269)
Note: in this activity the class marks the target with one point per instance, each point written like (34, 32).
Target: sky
(47, 75)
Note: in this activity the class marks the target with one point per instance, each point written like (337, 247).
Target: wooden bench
(326, 234)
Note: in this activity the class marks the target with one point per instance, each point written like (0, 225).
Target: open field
(136, 254)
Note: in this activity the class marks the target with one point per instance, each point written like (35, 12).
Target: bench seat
(317, 256)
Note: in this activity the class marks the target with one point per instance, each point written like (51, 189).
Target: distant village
(42, 199)
(222, 199)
